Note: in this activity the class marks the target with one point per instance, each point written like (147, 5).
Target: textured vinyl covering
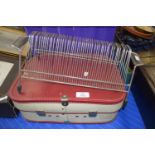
(126, 119)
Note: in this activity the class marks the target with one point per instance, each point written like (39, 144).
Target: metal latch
(92, 114)
(64, 100)
(41, 113)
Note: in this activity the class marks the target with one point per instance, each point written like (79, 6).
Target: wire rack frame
(77, 61)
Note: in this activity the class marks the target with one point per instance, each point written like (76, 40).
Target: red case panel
(39, 91)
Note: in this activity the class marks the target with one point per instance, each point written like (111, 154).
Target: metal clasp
(64, 100)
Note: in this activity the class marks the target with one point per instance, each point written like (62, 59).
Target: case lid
(39, 91)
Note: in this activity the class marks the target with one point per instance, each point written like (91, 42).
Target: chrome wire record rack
(77, 61)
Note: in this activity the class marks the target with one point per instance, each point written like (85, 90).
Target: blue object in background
(145, 99)
(105, 33)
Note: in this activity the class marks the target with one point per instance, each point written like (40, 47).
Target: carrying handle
(20, 42)
(136, 59)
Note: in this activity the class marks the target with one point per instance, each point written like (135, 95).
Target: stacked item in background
(7, 37)
(141, 39)
(138, 38)
(8, 67)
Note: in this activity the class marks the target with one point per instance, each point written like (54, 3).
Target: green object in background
(129, 76)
